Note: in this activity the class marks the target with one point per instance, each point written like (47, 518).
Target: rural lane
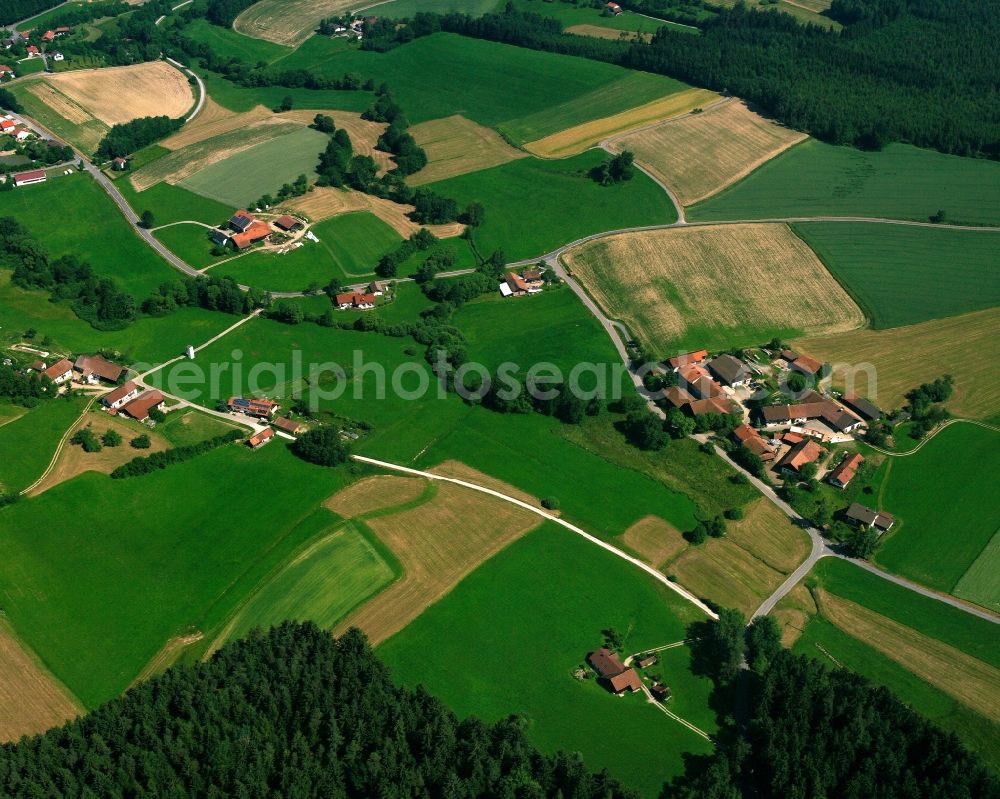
(656, 575)
(202, 91)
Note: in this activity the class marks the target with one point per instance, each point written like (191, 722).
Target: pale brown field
(456, 145)
(793, 613)
(700, 154)
(438, 543)
(121, 94)
(85, 131)
(183, 163)
(73, 460)
(967, 679)
(654, 540)
(721, 570)
(736, 280)
(766, 533)
(363, 133)
(460, 471)
(608, 33)
(325, 202)
(905, 357)
(288, 22)
(584, 136)
(375, 493)
(32, 700)
(214, 120)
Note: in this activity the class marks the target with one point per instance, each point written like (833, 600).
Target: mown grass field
(227, 43)
(526, 204)
(188, 426)
(571, 15)
(944, 498)
(901, 182)
(905, 357)
(904, 275)
(287, 22)
(527, 93)
(67, 121)
(60, 214)
(29, 442)
(97, 608)
(174, 204)
(712, 286)
(261, 169)
(506, 642)
(321, 583)
(239, 98)
(455, 146)
(981, 583)
(700, 154)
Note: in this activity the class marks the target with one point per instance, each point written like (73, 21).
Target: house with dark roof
(862, 407)
(806, 451)
(260, 408)
(729, 370)
(846, 469)
(241, 221)
(862, 516)
(628, 680)
(288, 223)
(813, 406)
(610, 668)
(93, 368)
(220, 237)
(122, 395)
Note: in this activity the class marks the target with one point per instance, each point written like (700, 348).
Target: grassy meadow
(97, 608)
(943, 498)
(526, 202)
(900, 182)
(904, 275)
(526, 93)
(29, 441)
(191, 244)
(175, 204)
(504, 641)
(262, 169)
(227, 43)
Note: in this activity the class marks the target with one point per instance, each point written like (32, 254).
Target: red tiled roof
(48, 36)
(792, 438)
(58, 369)
(847, 468)
(802, 453)
(259, 438)
(258, 230)
(628, 680)
(719, 405)
(32, 174)
(807, 364)
(605, 662)
(95, 364)
(690, 357)
(139, 407)
(5, 68)
(122, 391)
(288, 425)
(677, 396)
(286, 222)
(515, 282)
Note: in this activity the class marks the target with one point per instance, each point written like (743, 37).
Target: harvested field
(582, 137)
(713, 286)
(121, 94)
(767, 533)
(905, 357)
(60, 103)
(969, 680)
(793, 613)
(363, 133)
(185, 162)
(654, 539)
(460, 471)
(63, 116)
(724, 572)
(608, 33)
(73, 460)
(438, 543)
(214, 120)
(288, 22)
(375, 493)
(701, 154)
(325, 202)
(31, 698)
(456, 145)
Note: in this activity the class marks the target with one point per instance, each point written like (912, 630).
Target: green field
(401, 9)
(505, 641)
(227, 43)
(528, 94)
(901, 182)
(238, 98)
(981, 583)
(191, 244)
(28, 443)
(570, 14)
(175, 204)
(184, 427)
(526, 203)
(262, 169)
(97, 601)
(355, 242)
(322, 583)
(903, 275)
(149, 339)
(61, 215)
(944, 500)
(549, 327)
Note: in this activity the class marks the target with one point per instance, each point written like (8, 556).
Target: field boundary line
(674, 716)
(933, 433)
(683, 592)
(59, 448)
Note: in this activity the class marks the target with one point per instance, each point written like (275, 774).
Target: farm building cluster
(244, 230)
(26, 41)
(519, 284)
(620, 678)
(788, 418)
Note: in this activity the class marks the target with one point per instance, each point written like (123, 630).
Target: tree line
(16, 10)
(126, 138)
(290, 712)
(926, 77)
(147, 464)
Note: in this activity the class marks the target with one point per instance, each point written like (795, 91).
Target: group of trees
(614, 169)
(19, 387)
(409, 156)
(223, 12)
(146, 464)
(323, 446)
(290, 712)
(211, 293)
(97, 300)
(296, 188)
(16, 10)
(127, 137)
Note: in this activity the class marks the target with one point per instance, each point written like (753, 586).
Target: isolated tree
(474, 215)
(861, 543)
(147, 220)
(141, 441)
(111, 438)
(645, 430)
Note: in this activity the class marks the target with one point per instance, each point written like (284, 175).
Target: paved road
(202, 91)
(16, 25)
(658, 576)
(933, 433)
